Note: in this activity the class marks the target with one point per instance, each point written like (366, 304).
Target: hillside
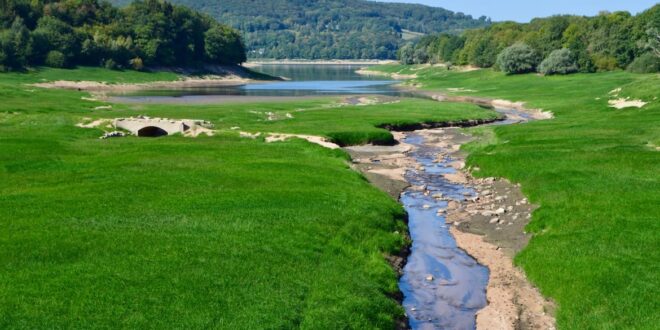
(329, 29)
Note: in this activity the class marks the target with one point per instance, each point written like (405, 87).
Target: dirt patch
(384, 166)
(513, 303)
(393, 75)
(96, 86)
(277, 137)
(626, 103)
(87, 123)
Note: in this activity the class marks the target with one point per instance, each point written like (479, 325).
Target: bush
(605, 62)
(111, 64)
(560, 61)
(519, 58)
(55, 59)
(646, 63)
(137, 64)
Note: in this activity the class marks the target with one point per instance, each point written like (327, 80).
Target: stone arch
(151, 131)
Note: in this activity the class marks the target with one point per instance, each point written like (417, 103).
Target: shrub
(110, 64)
(55, 59)
(519, 58)
(137, 64)
(560, 61)
(605, 62)
(646, 63)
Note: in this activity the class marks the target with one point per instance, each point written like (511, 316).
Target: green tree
(224, 45)
(560, 61)
(519, 58)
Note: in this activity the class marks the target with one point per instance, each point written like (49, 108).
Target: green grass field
(213, 232)
(595, 171)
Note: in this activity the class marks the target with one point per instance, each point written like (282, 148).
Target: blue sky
(524, 10)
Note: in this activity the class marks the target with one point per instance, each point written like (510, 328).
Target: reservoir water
(301, 80)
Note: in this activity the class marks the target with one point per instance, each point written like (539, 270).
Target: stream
(443, 286)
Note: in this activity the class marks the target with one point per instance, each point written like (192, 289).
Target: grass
(212, 232)
(595, 171)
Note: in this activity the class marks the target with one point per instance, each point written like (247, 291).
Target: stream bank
(487, 219)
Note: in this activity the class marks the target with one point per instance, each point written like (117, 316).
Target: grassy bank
(212, 232)
(595, 171)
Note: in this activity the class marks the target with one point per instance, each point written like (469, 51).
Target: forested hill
(329, 29)
(67, 33)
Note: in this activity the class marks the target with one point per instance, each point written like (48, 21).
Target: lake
(302, 80)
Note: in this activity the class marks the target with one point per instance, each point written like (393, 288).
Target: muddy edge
(490, 227)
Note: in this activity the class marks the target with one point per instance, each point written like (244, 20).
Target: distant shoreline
(255, 63)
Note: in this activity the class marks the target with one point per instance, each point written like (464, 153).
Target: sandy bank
(188, 82)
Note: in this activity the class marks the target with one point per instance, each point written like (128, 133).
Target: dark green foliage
(407, 54)
(647, 63)
(223, 44)
(90, 32)
(56, 59)
(329, 29)
(560, 61)
(519, 58)
(605, 42)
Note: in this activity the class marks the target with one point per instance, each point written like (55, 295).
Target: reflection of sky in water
(326, 86)
(305, 80)
(458, 286)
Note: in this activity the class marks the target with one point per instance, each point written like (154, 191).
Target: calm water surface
(302, 80)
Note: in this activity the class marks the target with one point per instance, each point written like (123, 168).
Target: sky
(525, 10)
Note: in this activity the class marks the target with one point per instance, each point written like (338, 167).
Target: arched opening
(151, 131)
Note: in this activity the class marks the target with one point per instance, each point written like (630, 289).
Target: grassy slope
(596, 175)
(174, 232)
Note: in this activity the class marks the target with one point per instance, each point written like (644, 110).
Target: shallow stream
(443, 286)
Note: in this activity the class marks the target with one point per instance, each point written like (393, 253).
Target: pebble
(494, 220)
(429, 278)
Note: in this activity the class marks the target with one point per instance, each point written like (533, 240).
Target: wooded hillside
(329, 29)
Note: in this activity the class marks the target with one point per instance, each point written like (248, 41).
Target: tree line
(329, 29)
(91, 32)
(553, 45)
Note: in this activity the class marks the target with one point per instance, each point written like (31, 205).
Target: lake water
(302, 80)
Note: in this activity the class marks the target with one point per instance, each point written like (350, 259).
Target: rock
(429, 278)
(509, 208)
(494, 220)
(437, 196)
(452, 205)
(112, 135)
(500, 211)
(486, 192)
(426, 206)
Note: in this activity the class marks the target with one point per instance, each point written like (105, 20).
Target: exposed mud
(99, 86)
